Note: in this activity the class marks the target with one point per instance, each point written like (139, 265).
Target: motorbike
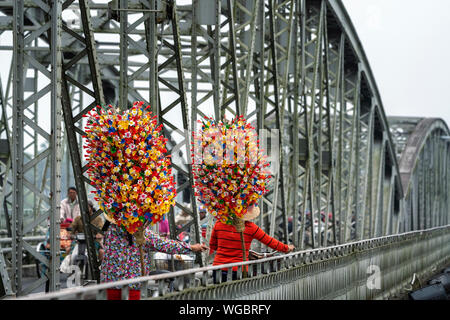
(79, 263)
(79, 255)
(76, 263)
(167, 263)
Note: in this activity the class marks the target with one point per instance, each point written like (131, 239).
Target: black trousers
(224, 275)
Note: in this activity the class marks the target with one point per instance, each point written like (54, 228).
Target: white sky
(407, 45)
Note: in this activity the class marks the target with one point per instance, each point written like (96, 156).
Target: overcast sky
(407, 45)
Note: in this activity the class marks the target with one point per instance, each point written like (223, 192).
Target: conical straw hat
(252, 213)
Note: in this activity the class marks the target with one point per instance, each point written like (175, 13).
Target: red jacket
(227, 242)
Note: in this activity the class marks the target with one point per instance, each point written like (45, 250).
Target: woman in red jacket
(226, 241)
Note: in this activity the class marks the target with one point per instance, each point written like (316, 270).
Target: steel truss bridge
(380, 183)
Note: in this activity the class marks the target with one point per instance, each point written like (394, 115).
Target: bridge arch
(424, 170)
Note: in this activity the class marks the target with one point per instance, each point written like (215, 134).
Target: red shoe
(116, 294)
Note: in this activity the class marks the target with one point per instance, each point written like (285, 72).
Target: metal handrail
(30, 238)
(200, 278)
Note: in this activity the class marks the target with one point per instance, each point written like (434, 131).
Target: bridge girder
(295, 66)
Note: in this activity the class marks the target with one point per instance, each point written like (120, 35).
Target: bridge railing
(368, 269)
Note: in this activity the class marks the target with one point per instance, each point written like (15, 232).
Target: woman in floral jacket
(122, 258)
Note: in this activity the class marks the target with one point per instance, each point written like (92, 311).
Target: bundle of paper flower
(128, 166)
(228, 167)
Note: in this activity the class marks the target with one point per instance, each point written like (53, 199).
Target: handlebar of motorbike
(254, 255)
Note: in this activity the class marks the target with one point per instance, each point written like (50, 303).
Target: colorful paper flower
(122, 173)
(228, 167)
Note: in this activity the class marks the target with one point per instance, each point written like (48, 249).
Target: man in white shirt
(70, 207)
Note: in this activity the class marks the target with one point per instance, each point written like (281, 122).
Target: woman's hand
(199, 247)
(291, 248)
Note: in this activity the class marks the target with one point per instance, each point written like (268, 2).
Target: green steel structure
(347, 179)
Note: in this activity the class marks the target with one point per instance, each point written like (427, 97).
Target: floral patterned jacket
(122, 260)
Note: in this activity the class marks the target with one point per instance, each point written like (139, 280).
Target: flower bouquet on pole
(229, 170)
(129, 169)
